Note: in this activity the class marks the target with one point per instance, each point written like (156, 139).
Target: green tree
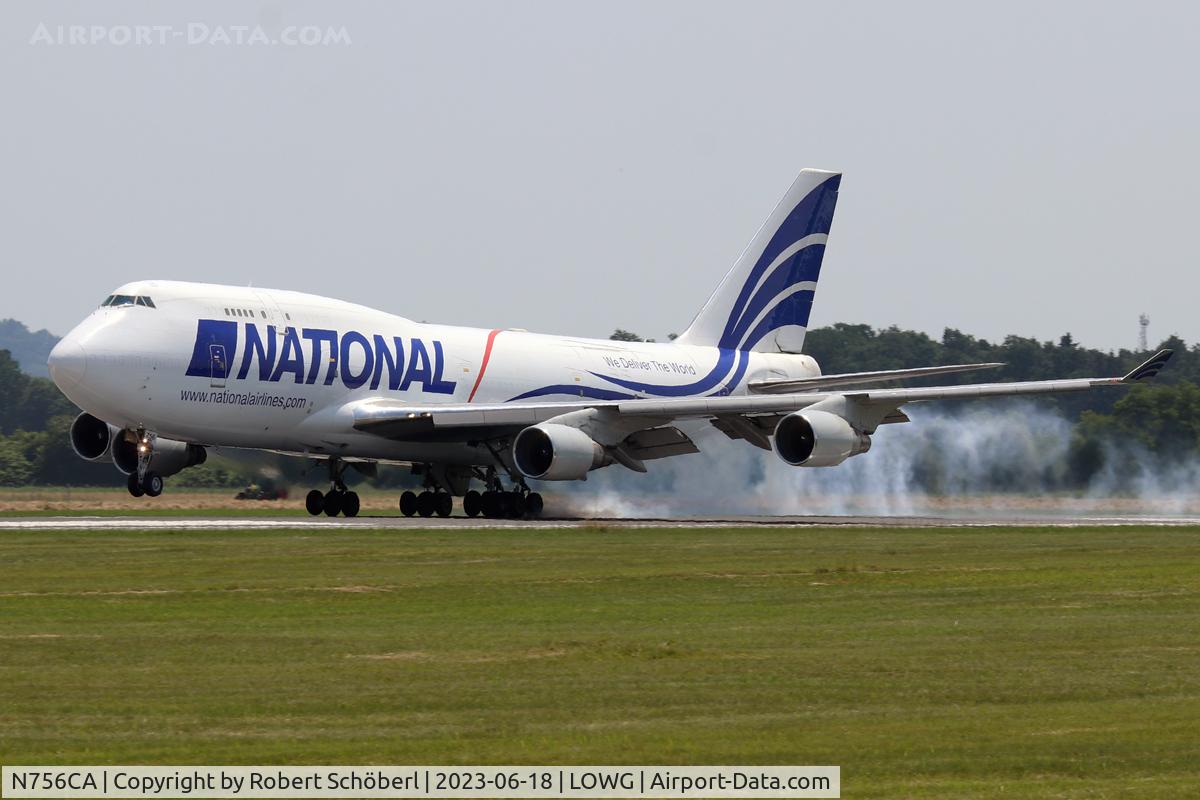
(41, 402)
(16, 459)
(1163, 419)
(13, 384)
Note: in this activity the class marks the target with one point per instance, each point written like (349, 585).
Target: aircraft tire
(314, 502)
(445, 503)
(134, 487)
(472, 503)
(490, 504)
(426, 504)
(504, 504)
(408, 503)
(152, 484)
(333, 503)
(350, 504)
(516, 505)
(534, 504)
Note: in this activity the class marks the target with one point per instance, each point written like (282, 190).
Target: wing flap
(736, 426)
(663, 442)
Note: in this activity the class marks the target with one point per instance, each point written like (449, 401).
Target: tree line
(1162, 417)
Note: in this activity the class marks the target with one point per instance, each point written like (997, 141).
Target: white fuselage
(240, 367)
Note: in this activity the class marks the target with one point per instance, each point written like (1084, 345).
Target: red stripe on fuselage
(487, 353)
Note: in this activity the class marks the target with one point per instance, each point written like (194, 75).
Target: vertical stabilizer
(764, 302)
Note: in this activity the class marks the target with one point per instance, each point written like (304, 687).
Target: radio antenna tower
(1143, 325)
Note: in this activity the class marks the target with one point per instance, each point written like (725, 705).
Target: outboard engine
(552, 452)
(92, 438)
(818, 439)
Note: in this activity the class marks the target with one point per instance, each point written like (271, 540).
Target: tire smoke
(963, 462)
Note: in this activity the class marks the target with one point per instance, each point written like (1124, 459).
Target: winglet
(1150, 367)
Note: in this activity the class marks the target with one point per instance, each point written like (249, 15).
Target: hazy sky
(571, 168)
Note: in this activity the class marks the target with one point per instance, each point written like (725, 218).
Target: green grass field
(930, 663)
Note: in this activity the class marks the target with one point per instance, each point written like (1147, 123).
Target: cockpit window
(127, 300)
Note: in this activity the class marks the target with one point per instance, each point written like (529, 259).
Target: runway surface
(100, 523)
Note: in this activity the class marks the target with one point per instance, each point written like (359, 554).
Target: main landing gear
(338, 500)
(441, 486)
(427, 503)
(494, 502)
(497, 504)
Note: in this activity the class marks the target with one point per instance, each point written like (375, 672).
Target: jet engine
(92, 438)
(170, 456)
(818, 439)
(552, 452)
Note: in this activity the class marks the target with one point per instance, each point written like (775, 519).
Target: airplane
(166, 370)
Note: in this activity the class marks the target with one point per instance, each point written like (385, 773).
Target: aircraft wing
(740, 416)
(793, 385)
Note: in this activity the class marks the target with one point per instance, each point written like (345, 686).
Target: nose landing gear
(143, 481)
(149, 486)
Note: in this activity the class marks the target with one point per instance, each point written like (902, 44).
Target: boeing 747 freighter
(165, 370)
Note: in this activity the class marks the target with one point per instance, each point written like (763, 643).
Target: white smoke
(1133, 472)
(973, 460)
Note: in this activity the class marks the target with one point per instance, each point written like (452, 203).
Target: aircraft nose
(67, 363)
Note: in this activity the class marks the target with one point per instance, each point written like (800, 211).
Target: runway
(102, 523)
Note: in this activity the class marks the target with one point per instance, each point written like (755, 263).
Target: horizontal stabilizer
(858, 378)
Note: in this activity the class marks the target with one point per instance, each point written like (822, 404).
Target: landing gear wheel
(350, 504)
(445, 503)
(408, 504)
(333, 503)
(504, 504)
(152, 484)
(490, 504)
(135, 488)
(314, 502)
(533, 504)
(426, 504)
(472, 503)
(516, 505)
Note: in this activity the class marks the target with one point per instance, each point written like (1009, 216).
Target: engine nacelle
(818, 439)
(169, 457)
(92, 438)
(124, 453)
(552, 452)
